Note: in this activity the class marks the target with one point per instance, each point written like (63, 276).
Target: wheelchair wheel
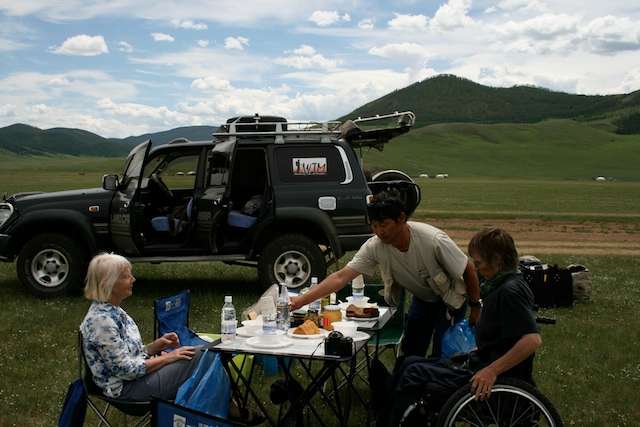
(512, 403)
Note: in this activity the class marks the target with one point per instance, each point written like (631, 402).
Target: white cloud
(7, 45)
(544, 27)
(203, 43)
(324, 18)
(211, 82)
(162, 37)
(304, 50)
(451, 15)
(125, 47)
(237, 43)
(82, 45)
(305, 57)
(630, 82)
(409, 22)
(198, 63)
(521, 5)
(400, 50)
(188, 24)
(140, 111)
(366, 24)
(610, 34)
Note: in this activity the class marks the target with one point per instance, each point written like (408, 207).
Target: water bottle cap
(228, 298)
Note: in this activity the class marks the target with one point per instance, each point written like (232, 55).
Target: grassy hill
(28, 140)
(449, 99)
(194, 133)
(25, 139)
(551, 149)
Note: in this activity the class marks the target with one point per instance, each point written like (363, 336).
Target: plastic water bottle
(357, 289)
(314, 305)
(269, 325)
(228, 323)
(282, 309)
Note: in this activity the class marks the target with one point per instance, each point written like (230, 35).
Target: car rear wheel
(50, 265)
(291, 259)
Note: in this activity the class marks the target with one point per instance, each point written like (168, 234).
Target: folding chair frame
(128, 408)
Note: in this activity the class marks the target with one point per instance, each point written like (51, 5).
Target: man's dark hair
(386, 205)
(496, 247)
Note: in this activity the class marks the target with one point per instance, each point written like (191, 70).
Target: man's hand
(482, 382)
(295, 303)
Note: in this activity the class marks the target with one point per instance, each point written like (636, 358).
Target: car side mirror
(110, 182)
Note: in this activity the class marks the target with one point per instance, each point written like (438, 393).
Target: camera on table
(337, 344)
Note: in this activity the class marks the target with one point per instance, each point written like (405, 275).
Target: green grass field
(588, 364)
(549, 150)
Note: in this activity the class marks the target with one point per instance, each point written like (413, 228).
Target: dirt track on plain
(553, 237)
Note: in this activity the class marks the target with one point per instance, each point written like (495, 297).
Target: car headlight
(6, 210)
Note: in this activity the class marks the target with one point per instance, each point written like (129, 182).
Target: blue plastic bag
(74, 407)
(208, 389)
(459, 338)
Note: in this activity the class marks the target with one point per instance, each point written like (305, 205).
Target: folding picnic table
(305, 352)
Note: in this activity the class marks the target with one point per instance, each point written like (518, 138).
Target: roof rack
(371, 131)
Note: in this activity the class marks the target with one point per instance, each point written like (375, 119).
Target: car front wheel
(291, 259)
(50, 265)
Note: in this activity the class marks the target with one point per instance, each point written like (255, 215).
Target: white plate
(205, 338)
(363, 319)
(243, 331)
(269, 341)
(361, 336)
(323, 333)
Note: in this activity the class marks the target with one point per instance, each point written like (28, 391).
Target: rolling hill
(451, 104)
(451, 99)
(28, 140)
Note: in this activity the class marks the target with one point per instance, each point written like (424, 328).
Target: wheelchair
(512, 402)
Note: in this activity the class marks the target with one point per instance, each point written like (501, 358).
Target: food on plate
(362, 312)
(307, 328)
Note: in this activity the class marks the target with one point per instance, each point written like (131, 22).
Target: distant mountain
(29, 140)
(193, 133)
(440, 99)
(25, 139)
(449, 99)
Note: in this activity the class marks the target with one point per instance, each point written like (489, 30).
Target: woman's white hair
(103, 272)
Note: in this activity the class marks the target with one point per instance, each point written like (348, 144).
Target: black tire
(292, 259)
(512, 403)
(50, 265)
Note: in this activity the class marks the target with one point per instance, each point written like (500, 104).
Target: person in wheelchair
(121, 365)
(506, 335)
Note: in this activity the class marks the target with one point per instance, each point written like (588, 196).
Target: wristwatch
(475, 304)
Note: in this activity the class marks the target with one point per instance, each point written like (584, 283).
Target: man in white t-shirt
(419, 258)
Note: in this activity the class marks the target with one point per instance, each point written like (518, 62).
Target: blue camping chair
(171, 314)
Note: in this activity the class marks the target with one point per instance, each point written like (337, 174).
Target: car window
(319, 163)
(180, 173)
(177, 172)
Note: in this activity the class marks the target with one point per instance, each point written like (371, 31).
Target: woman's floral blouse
(113, 347)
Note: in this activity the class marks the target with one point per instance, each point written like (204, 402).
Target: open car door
(122, 215)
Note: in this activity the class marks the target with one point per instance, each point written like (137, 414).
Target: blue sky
(126, 67)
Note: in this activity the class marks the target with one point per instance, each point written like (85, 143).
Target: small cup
(254, 327)
(346, 328)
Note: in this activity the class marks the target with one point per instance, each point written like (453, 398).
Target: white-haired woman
(121, 365)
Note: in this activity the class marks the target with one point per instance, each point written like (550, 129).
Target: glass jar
(331, 314)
